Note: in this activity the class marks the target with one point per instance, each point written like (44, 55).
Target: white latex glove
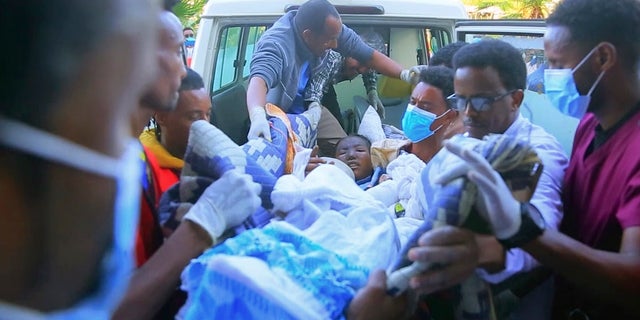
(313, 113)
(375, 101)
(412, 75)
(225, 203)
(495, 203)
(259, 124)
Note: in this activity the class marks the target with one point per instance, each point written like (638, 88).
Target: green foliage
(189, 12)
(516, 9)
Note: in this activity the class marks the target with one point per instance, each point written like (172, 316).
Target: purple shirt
(601, 198)
(602, 190)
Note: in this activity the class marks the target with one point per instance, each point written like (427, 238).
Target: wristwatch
(532, 225)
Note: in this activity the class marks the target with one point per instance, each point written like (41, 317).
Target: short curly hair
(193, 81)
(594, 21)
(313, 14)
(444, 56)
(440, 77)
(500, 55)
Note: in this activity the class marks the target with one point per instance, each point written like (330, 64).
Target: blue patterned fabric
(301, 126)
(210, 154)
(328, 277)
(453, 203)
(270, 155)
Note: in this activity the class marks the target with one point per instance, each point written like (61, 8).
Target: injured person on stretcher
(312, 245)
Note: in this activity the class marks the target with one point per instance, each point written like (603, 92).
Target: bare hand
(453, 249)
(314, 161)
(372, 302)
(384, 177)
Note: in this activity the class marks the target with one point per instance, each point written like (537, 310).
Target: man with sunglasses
(593, 51)
(489, 80)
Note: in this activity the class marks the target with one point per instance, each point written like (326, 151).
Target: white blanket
(306, 266)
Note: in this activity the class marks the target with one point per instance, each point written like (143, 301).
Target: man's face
(188, 33)
(352, 68)
(562, 53)
(68, 192)
(163, 95)
(430, 98)
(318, 44)
(357, 155)
(193, 105)
(472, 82)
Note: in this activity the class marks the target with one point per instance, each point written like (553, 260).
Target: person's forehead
(480, 79)
(170, 28)
(352, 142)
(558, 44)
(194, 99)
(423, 89)
(557, 35)
(332, 26)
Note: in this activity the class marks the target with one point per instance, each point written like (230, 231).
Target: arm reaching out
(256, 100)
(613, 275)
(217, 210)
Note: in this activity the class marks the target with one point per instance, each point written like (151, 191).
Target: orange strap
(292, 138)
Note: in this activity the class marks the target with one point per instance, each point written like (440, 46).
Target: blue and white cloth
(308, 266)
(210, 153)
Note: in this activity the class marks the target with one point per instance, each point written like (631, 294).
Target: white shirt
(546, 197)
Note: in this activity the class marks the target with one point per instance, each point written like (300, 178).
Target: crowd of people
(82, 234)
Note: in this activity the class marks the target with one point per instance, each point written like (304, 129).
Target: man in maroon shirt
(593, 51)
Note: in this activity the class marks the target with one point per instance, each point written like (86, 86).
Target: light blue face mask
(190, 42)
(561, 90)
(118, 263)
(416, 123)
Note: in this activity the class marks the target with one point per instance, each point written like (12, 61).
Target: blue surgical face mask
(118, 263)
(190, 42)
(562, 91)
(416, 123)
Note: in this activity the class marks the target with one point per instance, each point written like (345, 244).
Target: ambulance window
(226, 57)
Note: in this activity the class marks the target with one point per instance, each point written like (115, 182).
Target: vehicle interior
(408, 45)
(409, 42)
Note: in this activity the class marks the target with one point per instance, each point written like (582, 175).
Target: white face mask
(118, 263)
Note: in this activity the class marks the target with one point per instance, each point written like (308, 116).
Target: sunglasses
(478, 104)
